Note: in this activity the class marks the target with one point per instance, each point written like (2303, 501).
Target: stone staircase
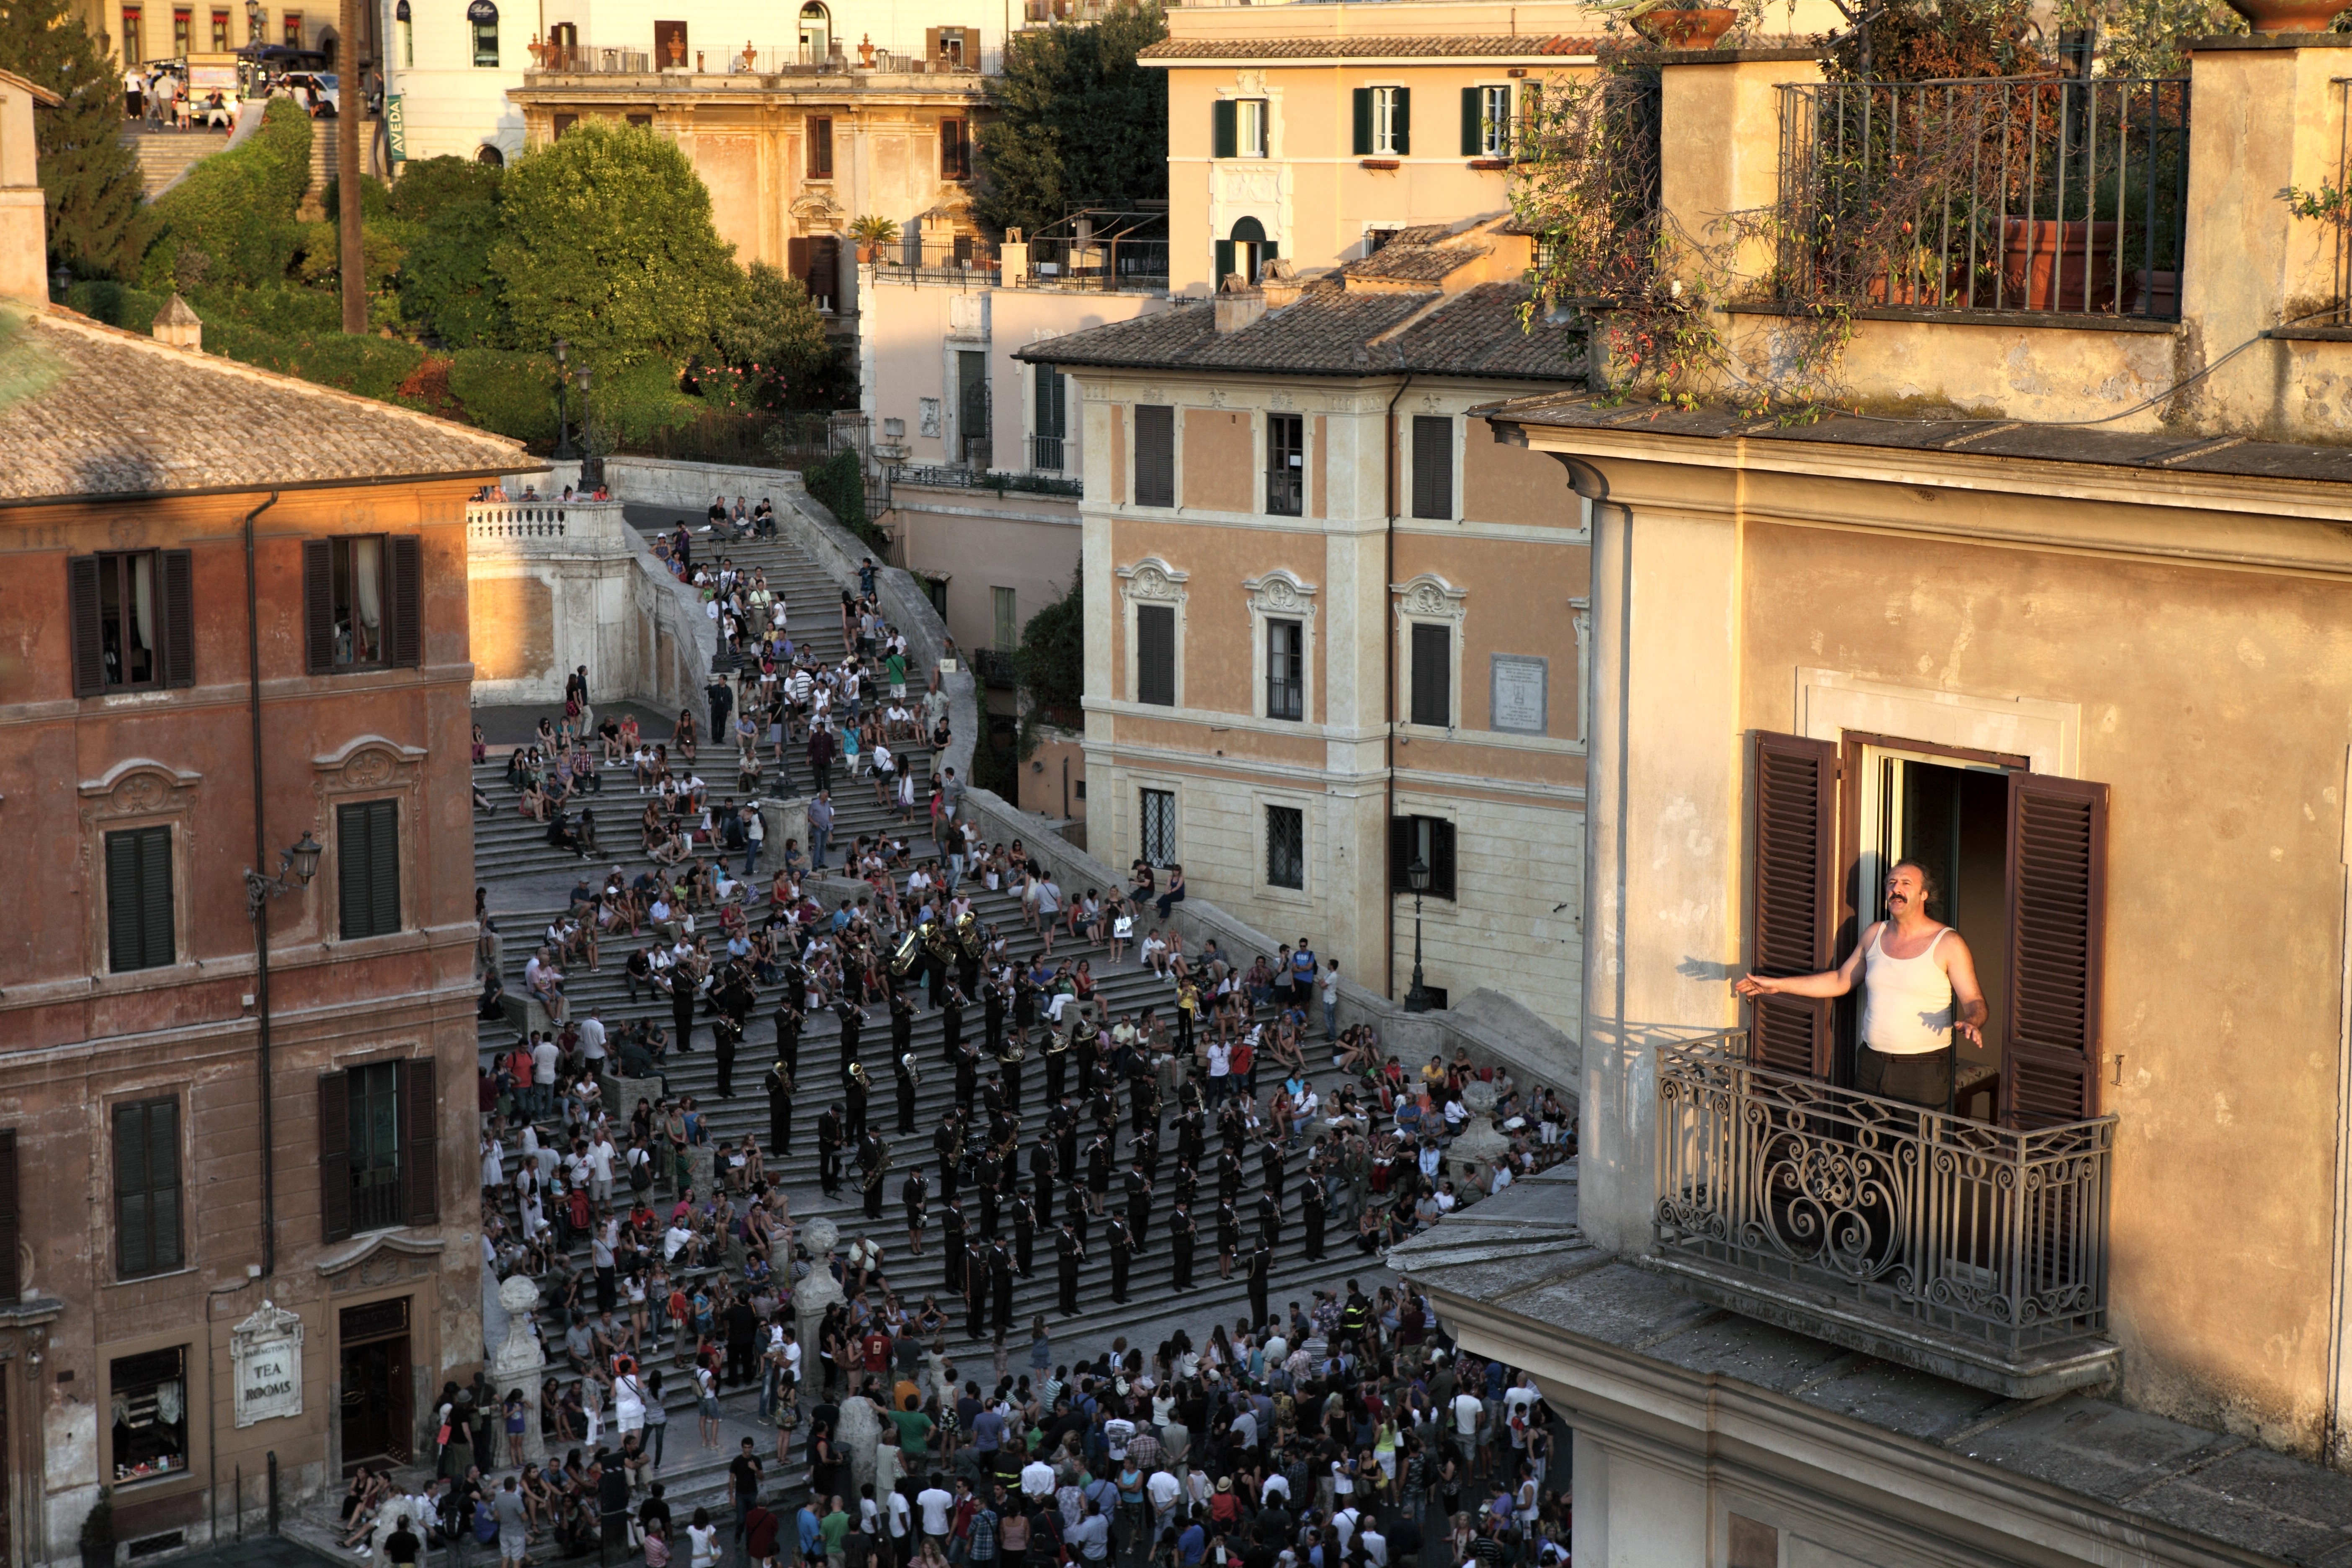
(508, 847)
(165, 155)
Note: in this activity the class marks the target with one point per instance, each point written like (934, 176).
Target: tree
(606, 239)
(1050, 664)
(1078, 122)
(88, 174)
(769, 331)
(445, 288)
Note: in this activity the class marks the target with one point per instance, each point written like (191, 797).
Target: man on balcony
(1918, 983)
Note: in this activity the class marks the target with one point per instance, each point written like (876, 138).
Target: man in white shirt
(543, 1077)
(1469, 1414)
(1037, 1479)
(600, 1154)
(1163, 1488)
(1117, 1431)
(591, 1041)
(935, 1502)
(1375, 1544)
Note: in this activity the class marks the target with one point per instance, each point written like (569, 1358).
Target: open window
(2018, 863)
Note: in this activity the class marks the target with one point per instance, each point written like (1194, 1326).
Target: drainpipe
(1388, 716)
(212, 1419)
(261, 916)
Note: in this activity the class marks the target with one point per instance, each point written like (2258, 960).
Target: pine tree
(1078, 122)
(92, 178)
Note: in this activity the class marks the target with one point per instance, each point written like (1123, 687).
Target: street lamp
(565, 452)
(1416, 876)
(302, 860)
(592, 466)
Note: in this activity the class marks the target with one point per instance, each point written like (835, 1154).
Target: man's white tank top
(1906, 1003)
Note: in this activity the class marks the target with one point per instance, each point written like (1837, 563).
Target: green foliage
(445, 288)
(606, 240)
(429, 187)
(838, 484)
(1933, 40)
(1051, 662)
(88, 175)
(512, 393)
(633, 404)
(771, 334)
(371, 366)
(283, 310)
(874, 229)
(117, 304)
(2149, 37)
(1078, 122)
(234, 210)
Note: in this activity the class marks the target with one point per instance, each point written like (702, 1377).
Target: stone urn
(1478, 1146)
(820, 1291)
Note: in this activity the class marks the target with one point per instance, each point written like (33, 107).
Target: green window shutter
(1363, 105)
(1404, 122)
(1267, 252)
(1225, 134)
(1224, 262)
(1471, 123)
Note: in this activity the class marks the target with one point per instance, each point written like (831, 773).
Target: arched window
(490, 155)
(404, 35)
(1245, 252)
(482, 22)
(816, 33)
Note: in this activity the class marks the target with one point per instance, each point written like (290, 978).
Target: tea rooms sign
(266, 1352)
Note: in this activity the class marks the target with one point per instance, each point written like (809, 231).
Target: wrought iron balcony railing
(1972, 1250)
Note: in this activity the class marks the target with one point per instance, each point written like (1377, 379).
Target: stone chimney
(1278, 281)
(179, 326)
(1238, 304)
(24, 229)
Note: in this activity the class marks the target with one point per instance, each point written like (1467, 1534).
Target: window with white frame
(1388, 104)
(1156, 839)
(1286, 847)
(1429, 631)
(1281, 631)
(1249, 128)
(1494, 121)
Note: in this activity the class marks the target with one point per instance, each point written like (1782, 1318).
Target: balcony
(2051, 198)
(1965, 1249)
(965, 259)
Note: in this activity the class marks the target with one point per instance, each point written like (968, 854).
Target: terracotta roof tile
(1497, 46)
(98, 411)
(1330, 331)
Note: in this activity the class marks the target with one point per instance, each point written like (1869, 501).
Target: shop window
(150, 1415)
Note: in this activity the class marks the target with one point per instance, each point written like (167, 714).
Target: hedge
(510, 393)
(236, 207)
(117, 304)
(372, 367)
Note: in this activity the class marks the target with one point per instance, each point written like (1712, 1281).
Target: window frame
(1391, 121)
(1437, 840)
(134, 38)
(171, 592)
(1268, 862)
(141, 838)
(399, 597)
(1428, 490)
(1152, 800)
(1285, 482)
(955, 147)
(1173, 479)
(158, 1259)
(365, 813)
(1004, 609)
(1149, 582)
(479, 33)
(1261, 111)
(1281, 682)
(1428, 600)
(820, 147)
(1280, 595)
(372, 1087)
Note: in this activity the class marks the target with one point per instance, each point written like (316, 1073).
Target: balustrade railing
(510, 525)
(1098, 263)
(1984, 1233)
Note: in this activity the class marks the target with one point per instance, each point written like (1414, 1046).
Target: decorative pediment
(1280, 593)
(378, 1255)
(1429, 596)
(370, 760)
(818, 210)
(1153, 578)
(138, 786)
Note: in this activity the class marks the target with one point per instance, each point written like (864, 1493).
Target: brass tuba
(906, 954)
(968, 934)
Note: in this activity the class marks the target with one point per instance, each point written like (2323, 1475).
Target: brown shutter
(179, 618)
(1796, 800)
(404, 559)
(420, 1154)
(11, 1276)
(319, 605)
(89, 637)
(796, 259)
(2057, 927)
(1400, 853)
(930, 49)
(334, 1156)
(1441, 858)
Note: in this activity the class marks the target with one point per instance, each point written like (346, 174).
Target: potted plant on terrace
(1677, 24)
(872, 232)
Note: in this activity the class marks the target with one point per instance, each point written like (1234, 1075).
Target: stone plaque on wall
(1518, 691)
(266, 1352)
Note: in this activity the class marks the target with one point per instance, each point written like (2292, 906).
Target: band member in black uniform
(1231, 1129)
(952, 1230)
(855, 1093)
(873, 1161)
(1000, 1288)
(1122, 1251)
(1139, 1205)
(1181, 1239)
(852, 1018)
(967, 1074)
(733, 999)
(902, 1023)
(988, 1169)
(1269, 1219)
(1144, 1150)
(969, 940)
(1190, 1145)
(1229, 1175)
(1068, 1252)
(828, 1151)
(1043, 1171)
(1061, 1126)
(779, 1085)
(1024, 1230)
(1025, 1001)
(1086, 1045)
(1261, 1266)
(907, 1083)
(1074, 1202)
(947, 1141)
(681, 1010)
(951, 1020)
(992, 1099)
(1229, 1237)
(991, 1017)
(975, 1288)
(1186, 1185)
(915, 1193)
(1311, 1204)
(1271, 1168)
(790, 1022)
(1142, 1095)
(1056, 1050)
(1009, 1066)
(1098, 1172)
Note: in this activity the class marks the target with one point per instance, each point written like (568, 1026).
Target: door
(378, 1406)
(972, 408)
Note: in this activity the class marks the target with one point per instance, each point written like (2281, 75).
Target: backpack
(641, 1175)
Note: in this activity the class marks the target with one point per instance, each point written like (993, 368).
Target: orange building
(237, 1128)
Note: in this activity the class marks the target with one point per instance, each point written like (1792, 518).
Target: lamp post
(1416, 876)
(302, 860)
(565, 452)
(591, 466)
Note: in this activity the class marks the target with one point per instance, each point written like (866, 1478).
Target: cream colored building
(2097, 673)
(1332, 627)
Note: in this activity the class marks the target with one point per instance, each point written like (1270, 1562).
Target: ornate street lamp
(591, 466)
(1416, 876)
(302, 860)
(565, 452)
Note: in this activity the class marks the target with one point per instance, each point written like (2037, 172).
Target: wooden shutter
(796, 259)
(1433, 465)
(1441, 858)
(89, 637)
(319, 605)
(1224, 129)
(1362, 106)
(334, 1156)
(404, 559)
(1403, 121)
(1432, 675)
(420, 1153)
(820, 147)
(1400, 853)
(147, 1188)
(367, 850)
(12, 1286)
(1472, 119)
(139, 899)
(824, 269)
(1224, 262)
(930, 47)
(950, 137)
(179, 596)
(1155, 455)
(1155, 655)
(1796, 801)
(2057, 930)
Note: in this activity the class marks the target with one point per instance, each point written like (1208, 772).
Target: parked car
(318, 93)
